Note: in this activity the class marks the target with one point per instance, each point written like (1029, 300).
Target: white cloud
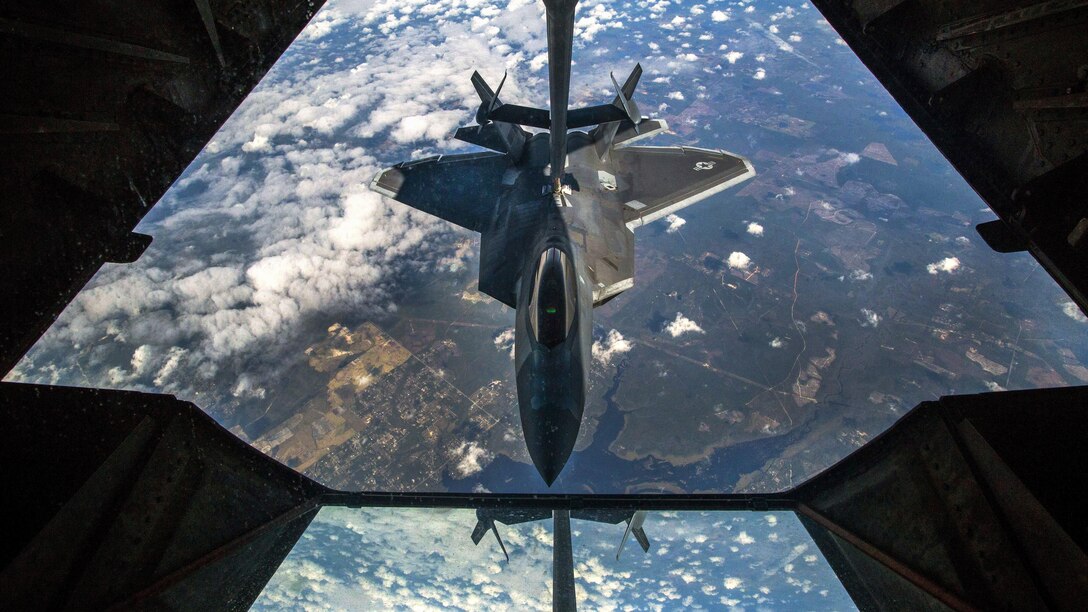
(538, 62)
(432, 126)
(682, 325)
(869, 318)
(246, 387)
(675, 223)
(468, 459)
(760, 74)
(505, 341)
(755, 229)
(1073, 312)
(733, 56)
(732, 583)
(738, 261)
(777, 342)
(169, 366)
(948, 264)
(675, 95)
(849, 158)
(141, 359)
(720, 16)
(612, 345)
(744, 538)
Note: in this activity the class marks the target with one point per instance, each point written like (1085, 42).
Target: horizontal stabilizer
(627, 135)
(502, 137)
(485, 136)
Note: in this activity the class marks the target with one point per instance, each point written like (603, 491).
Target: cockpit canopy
(553, 302)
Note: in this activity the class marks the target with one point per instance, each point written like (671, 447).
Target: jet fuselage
(545, 236)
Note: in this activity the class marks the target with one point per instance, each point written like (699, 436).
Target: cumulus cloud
(682, 325)
(849, 158)
(755, 229)
(468, 459)
(505, 341)
(760, 74)
(777, 342)
(675, 95)
(948, 264)
(738, 261)
(141, 359)
(613, 345)
(1072, 311)
(675, 223)
(720, 16)
(869, 318)
(733, 56)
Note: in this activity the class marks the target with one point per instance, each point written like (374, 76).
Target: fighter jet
(556, 211)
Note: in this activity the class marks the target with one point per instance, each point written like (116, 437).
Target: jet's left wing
(462, 189)
(662, 180)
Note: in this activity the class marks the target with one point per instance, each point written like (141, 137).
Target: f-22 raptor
(556, 211)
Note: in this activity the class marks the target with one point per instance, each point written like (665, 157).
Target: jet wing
(662, 180)
(461, 189)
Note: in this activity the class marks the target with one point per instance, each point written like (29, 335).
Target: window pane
(770, 330)
(381, 558)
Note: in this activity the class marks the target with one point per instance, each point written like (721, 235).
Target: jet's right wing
(462, 189)
(662, 180)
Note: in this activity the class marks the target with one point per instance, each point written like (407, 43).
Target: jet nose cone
(550, 466)
(550, 434)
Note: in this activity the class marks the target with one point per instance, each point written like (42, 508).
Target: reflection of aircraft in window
(563, 595)
(557, 243)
